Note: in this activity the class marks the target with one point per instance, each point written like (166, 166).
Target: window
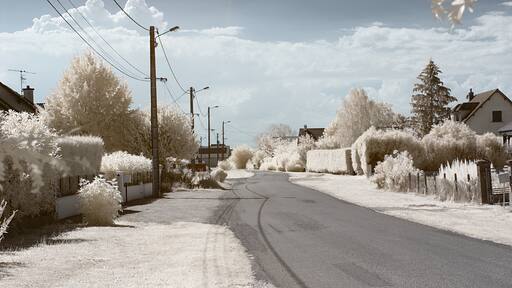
(496, 116)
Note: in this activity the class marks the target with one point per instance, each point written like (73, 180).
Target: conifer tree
(430, 99)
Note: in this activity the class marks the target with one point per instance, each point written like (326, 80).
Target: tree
(356, 114)
(273, 137)
(90, 100)
(458, 7)
(430, 103)
(175, 134)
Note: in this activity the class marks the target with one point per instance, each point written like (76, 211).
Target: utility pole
(217, 149)
(154, 114)
(192, 108)
(209, 160)
(223, 139)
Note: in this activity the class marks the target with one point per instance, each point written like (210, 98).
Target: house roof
(18, 96)
(477, 102)
(315, 133)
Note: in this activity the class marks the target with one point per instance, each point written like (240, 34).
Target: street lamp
(223, 138)
(192, 93)
(209, 130)
(175, 28)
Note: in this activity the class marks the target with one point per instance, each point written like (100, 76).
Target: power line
(199, 107)
(169, 64)
(131, 18)
(104, 40)
(89, 44)
(91, 38)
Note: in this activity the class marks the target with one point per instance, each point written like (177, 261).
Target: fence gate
(500, 186)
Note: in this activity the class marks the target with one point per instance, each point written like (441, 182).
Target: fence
(135, 185)
(69, 185)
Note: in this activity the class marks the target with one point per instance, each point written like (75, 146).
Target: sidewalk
(151, 246)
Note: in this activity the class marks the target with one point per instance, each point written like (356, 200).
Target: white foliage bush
(462, 189)
(6, 220)
(100, 201)
(490, 147)
(28, 164)
(176, 138)
(123, 161)
(240, 156)
(218, 175)
(225, 165)
(393, 173)
(82, 154)
(286, 158)
(257, 159)
(29, 131)
(449, 141)
(371, 148)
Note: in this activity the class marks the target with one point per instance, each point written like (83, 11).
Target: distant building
(315, 133)
(484, 112)
(217, 154)
(12, 100)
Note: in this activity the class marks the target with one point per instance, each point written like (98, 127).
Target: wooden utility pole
(217, 149)
(192, 108)
(209, 157)
(154, 114)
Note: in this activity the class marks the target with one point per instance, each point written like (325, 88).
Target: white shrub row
(337, 161)
(123, 161)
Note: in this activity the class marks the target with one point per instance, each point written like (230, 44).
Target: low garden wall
(337, 161)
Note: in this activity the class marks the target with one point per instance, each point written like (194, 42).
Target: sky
(287, 61)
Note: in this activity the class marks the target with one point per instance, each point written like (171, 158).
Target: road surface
(304, 238)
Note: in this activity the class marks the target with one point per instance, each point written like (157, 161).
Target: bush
(257, 159)
(82, 154)
(393, 173)
(467, 189)
(374, 145)
(122, 161)
(241, 155)
(225, 165)
(100, 201)
(29, 131)
(218, 175)
(490, 147)
(449, 141)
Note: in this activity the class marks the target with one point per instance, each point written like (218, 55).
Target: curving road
(304, 238)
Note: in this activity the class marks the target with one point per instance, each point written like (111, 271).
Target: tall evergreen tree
(430, 100)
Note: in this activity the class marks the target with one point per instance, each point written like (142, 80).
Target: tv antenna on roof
(22, 76)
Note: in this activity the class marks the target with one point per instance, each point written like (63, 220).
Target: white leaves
(5, 221)
(456, 12)
(100, 202)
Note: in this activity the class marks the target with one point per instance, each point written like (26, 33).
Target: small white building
(484, 112)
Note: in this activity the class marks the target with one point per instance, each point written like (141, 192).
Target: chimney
(471, 95)
(28, 93)
(305, 127)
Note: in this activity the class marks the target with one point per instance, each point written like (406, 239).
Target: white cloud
(507, 3)
(260, 82)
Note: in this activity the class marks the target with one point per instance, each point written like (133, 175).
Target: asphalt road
(303, 238)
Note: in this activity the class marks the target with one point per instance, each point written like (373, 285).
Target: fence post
(456, 187)
(484, 176)
(418, 182)
(426, 186)
(435, 184)
(409, 190)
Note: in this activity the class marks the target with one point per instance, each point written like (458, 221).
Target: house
(217, 154)
(315, 133)
(12, 100)
(484, 112)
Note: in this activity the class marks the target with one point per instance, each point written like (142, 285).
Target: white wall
(481, 121)
(338, 161)
(67, 206)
